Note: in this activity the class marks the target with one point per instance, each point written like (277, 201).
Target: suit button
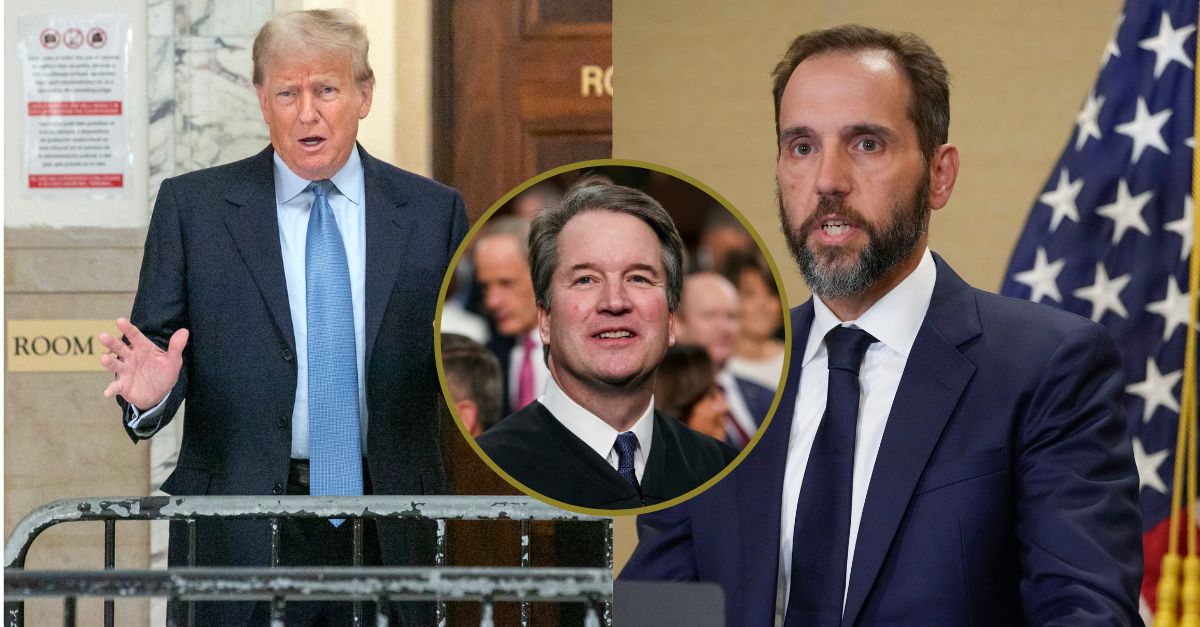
(277, 489)
(287, 354)
(283, 422)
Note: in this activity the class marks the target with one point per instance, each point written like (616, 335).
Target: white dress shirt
(293, 205)
(894, 320)
(596, 433)
(541, 373)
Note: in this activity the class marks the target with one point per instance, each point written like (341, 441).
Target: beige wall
(399, 128)
(695, 94)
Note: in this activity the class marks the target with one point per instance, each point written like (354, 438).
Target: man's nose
(833, 173)
(491, 300)
(308, 108)
(614, 298)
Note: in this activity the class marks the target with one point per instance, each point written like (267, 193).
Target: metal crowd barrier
(525, 584)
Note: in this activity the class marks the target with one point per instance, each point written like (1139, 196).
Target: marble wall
(62, 438)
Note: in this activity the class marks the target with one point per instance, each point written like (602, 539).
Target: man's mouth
(836, 227)
(312, 141)
(614, 334)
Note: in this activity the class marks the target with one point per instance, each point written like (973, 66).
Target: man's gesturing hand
(144, 372)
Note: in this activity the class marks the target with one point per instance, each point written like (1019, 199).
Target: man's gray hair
(592, 195)
(330, 31)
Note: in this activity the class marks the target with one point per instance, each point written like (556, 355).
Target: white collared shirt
(894, 320)
(596, 433)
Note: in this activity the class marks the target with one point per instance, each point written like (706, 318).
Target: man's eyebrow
(850, 130)
(870, 129)
(793, 132)
(644, 267)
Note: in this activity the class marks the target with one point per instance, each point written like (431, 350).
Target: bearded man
(940, 455)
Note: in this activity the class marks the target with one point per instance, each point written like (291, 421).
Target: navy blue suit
(213, 265)
(1004, 492)
(758, 399)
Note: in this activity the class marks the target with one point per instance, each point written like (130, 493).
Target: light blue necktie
(334, 449)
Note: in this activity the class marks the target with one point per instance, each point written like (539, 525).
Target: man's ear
(367, 90)
(544, 326)
(943, 172)
(468, 411)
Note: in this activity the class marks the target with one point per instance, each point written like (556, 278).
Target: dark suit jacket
(213, 265)
(758, 398)
(758, 401)
(1004, 492)
(501, 346)
(537, 450)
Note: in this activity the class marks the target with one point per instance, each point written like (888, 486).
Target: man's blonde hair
(334, 31)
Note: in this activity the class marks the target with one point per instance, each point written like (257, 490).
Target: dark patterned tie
(822, 532)
(627, 444)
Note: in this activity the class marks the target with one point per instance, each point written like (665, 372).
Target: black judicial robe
(534, 448)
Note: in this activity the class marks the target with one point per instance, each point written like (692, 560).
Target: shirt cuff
(145, 423)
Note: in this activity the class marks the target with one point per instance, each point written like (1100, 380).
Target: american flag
(1110, 234)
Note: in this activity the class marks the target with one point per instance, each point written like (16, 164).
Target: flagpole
(1185, 443)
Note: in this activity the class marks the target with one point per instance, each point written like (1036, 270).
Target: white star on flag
(1130, 208)
(1173, 308)
(1145, 130)
(1126, 211)
(1062, 200)
(1148, 465)
(1155, 390)
(1104, 293)
(1183, 227)
(1086, 120)
(1042, 279)
(1167, 45)
(1110, 49)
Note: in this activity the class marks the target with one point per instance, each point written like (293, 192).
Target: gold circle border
(582, 165)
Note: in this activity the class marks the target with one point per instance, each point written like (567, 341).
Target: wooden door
(521, 86)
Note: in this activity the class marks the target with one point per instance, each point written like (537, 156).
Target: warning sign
(75, 72)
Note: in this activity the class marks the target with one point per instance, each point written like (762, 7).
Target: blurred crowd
(720, 376)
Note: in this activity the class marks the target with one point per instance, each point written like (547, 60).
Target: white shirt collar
(597, 434)
(348, 180)
(894, 320)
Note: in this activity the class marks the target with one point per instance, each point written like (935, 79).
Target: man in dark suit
(502, 270)
(607, 272)
(294, 294)
(941, 455)
(708, 317)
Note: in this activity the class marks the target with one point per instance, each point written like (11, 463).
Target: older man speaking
(288, 299)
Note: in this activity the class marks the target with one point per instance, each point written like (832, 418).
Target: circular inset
(612, 337)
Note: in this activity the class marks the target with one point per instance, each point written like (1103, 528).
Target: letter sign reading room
(56, 345)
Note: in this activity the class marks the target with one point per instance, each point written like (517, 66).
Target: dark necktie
(627, 444)
(822, 532)
(333, 413)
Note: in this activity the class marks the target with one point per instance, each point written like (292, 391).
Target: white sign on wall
(75, 71)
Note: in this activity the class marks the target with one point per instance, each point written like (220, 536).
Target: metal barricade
(524, 584)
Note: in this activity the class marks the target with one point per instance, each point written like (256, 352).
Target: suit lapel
(388, 228)
(254, 225)
(934, 378)
(760, 486)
